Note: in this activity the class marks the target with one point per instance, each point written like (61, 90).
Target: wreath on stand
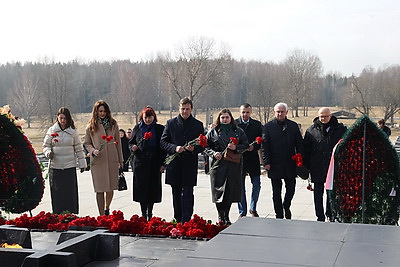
(366, 177)
(21, 181)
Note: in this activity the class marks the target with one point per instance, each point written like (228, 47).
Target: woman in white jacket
(63, 147)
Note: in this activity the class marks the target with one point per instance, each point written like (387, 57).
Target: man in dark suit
(251, 160)
(282, 140)
(182, 171)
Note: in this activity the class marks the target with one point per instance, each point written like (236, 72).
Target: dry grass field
(38, 129)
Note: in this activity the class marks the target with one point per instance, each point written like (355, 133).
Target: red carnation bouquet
(298, 159)
(106, 139)
(258, 141)
(145, 137)
(232, 140)
(199, 141)
(54, 140)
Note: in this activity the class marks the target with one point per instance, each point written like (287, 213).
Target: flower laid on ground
(199, 141)
(106, 139)
(146, 136)
(196, 227)
(232, 140)
(298, 159)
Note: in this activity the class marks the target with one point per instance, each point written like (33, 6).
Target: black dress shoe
(254, 213)
(288, 214)
(107, 212)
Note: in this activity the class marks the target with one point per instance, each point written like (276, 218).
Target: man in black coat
(319, 142)
(251, 160)
(182, 172)
(282, 140)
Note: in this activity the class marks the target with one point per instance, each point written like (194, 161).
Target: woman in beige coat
(105, 154)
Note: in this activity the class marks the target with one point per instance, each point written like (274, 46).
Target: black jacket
(281, 142)
(318, 146)
(251, 160)
(147, 163)
(183, 170)
(225, 172)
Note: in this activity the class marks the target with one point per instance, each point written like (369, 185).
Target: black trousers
(64, 190)
(290, 185)
(183, 201)
(318, 202)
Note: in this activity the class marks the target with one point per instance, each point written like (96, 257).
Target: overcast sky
(347, 35)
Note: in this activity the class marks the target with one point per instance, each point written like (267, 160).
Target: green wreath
(21, 181)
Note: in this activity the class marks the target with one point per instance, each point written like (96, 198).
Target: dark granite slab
(272, 242)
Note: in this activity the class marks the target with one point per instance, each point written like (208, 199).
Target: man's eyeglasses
(324, 116)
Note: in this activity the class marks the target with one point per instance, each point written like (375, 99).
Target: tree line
(202, 71)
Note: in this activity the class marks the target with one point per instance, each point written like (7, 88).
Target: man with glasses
(319, 142)
(282, 140)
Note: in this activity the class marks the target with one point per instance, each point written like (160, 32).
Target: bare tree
(25, 95)
(194, 68)
(56, 85)
(303, 70)
(123, 86)
(361, 89)
(263, 87)
(388, 87)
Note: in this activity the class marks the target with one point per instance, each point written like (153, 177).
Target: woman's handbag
(231, 156)
(121, 181)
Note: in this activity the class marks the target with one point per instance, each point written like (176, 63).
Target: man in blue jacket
(282, 140)
(182, 171)
(251, 160)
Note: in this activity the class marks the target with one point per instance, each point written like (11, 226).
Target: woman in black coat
(148, 161)
(226, 176)
(125, 148)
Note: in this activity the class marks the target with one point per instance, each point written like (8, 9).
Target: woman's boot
(150, 211)
(227, 210)
(221, 213)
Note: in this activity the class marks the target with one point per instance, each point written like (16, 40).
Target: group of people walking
(233, 145)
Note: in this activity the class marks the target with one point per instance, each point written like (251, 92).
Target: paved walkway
(302, 205)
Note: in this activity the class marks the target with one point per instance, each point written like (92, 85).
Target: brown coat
(104, 167)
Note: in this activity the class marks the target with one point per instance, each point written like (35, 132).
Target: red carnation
(147, 135)
(259, 140)
(104, 137)
(54, 135)
(234, 140)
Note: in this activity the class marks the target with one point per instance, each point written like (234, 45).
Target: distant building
(342, 114)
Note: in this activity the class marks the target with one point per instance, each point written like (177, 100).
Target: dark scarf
(149, 128)
(323, 126)
(226, 127)
(105, 122)
(282, 124)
